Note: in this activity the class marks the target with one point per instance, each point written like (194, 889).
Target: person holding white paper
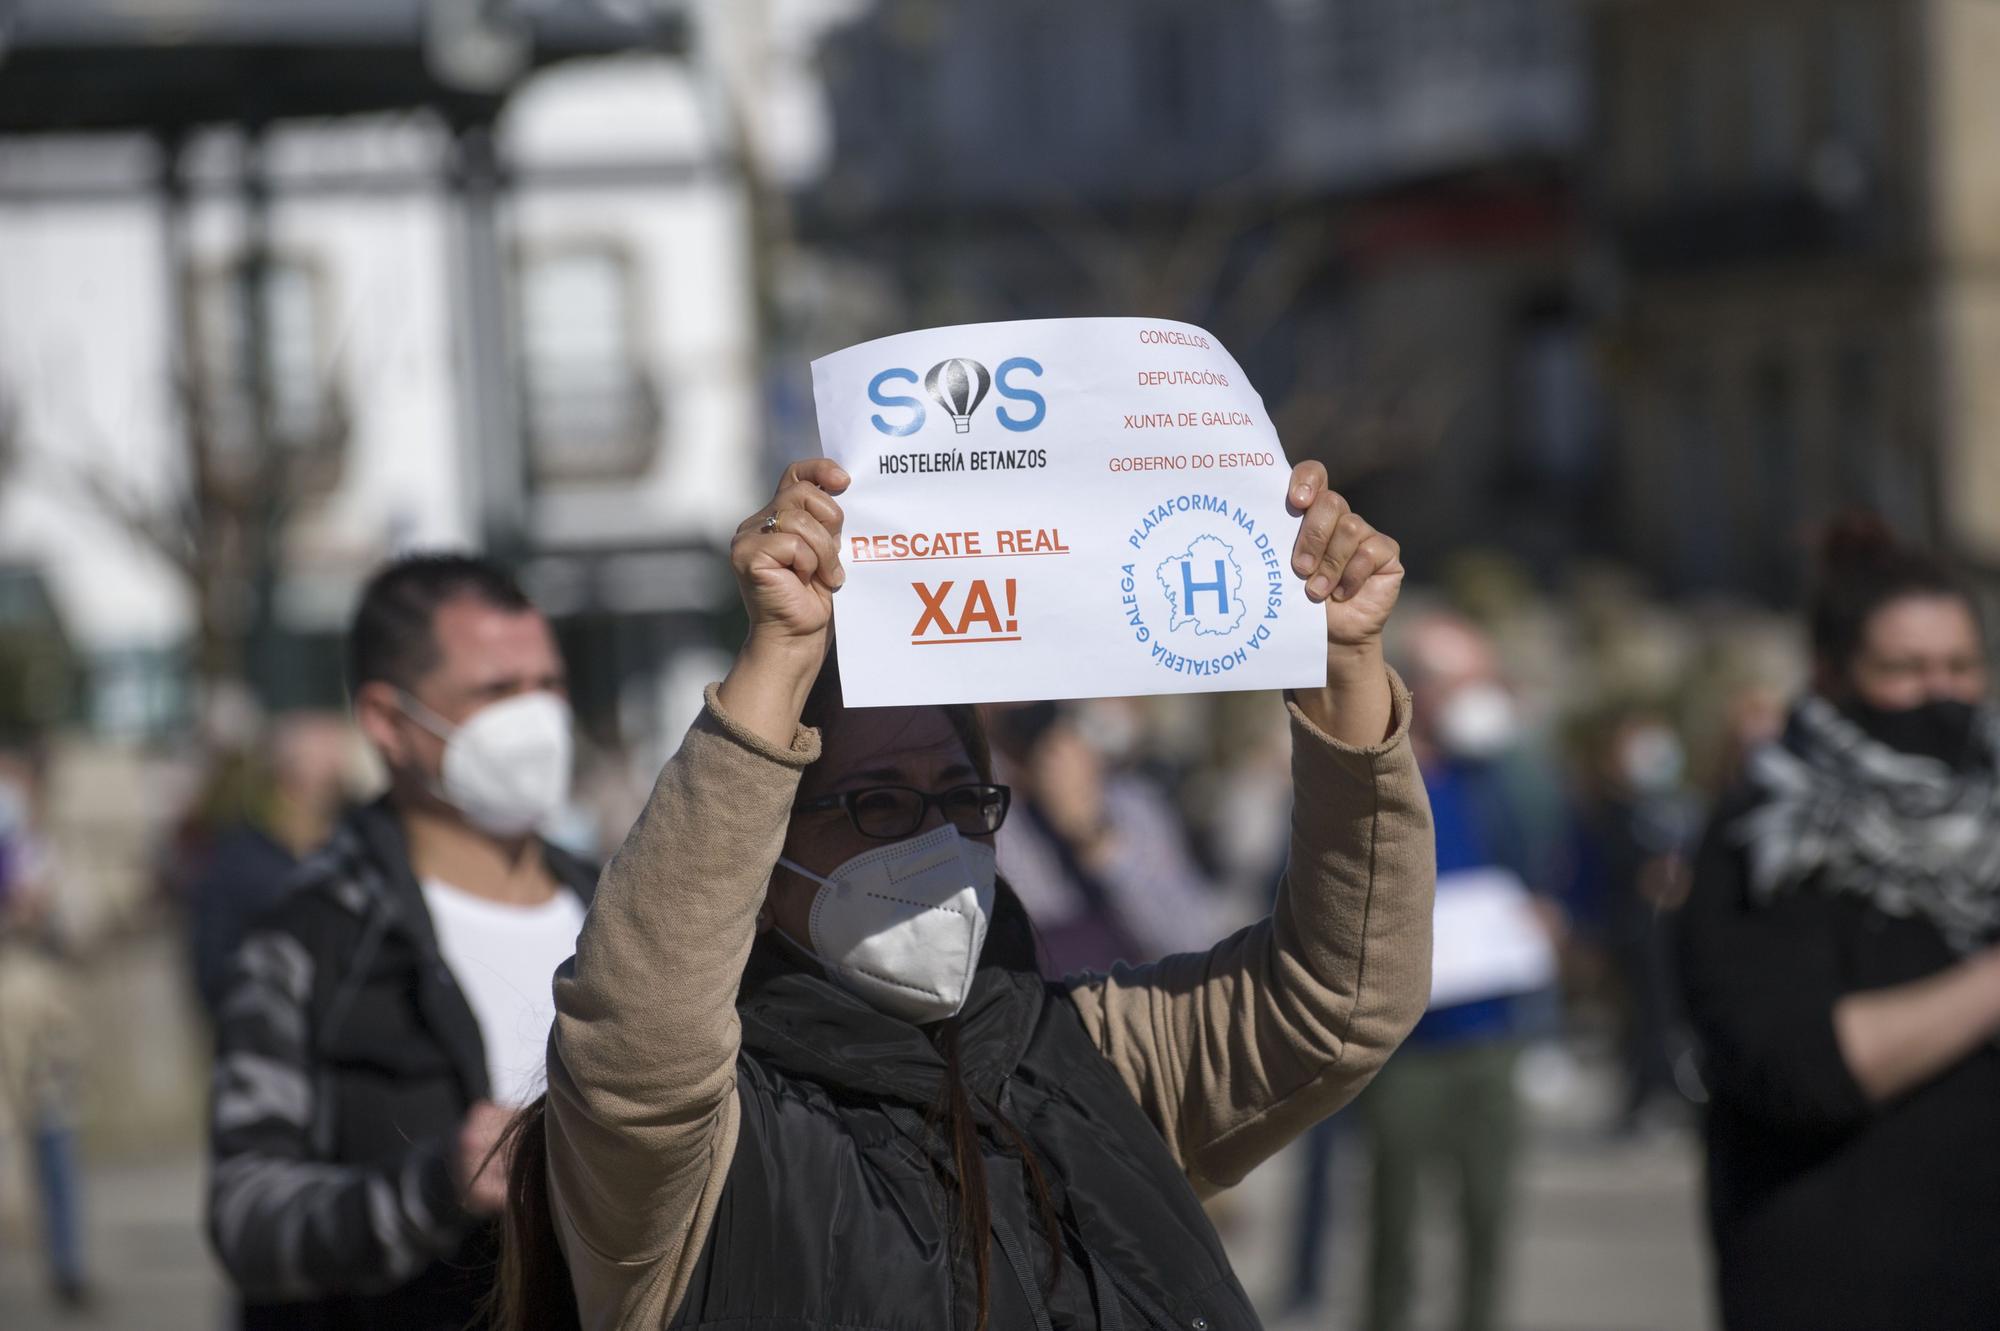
(804, 1072)
(1447, 1108)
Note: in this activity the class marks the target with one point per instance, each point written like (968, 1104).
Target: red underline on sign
(941, 642)
(911, 559)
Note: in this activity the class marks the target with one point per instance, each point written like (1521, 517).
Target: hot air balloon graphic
(959, 385)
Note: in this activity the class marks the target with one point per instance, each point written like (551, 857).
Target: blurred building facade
(1372, 203)
(1652, 280)
(1804, 198)
(304, 340)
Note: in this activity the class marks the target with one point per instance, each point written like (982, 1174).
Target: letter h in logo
(1189, 587)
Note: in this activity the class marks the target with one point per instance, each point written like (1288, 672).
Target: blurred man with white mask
(382, 1023)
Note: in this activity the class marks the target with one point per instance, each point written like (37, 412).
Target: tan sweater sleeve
(642, 1112)
(1235, 1051)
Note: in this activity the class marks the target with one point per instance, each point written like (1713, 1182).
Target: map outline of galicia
(1176, 579)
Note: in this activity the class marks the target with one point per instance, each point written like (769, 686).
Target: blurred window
(136, 694)
(1854, 423)
(1026, 95)
(1873, 463)
(1774, 502)
(1699, 468)
(1542, 32)
(1558, 399)
(1857, 44)
(1171, 61)
(1706, 107)
(1689, 99)
(1636, 88)
(1504, 36)
(295, 366)
(1774, 103)
(591, 412)
(1441, 34)
(1358, 51)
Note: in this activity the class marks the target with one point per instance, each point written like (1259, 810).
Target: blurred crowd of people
(1567, 809)
(1142, 827)
(1573, 748)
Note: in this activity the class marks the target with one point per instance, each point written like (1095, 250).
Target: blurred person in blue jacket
(1446, 1102)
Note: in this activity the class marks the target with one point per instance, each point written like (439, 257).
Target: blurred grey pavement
(1608, 1230)
(1609, 1241)
(149, 1261)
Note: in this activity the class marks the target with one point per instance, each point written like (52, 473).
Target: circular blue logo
(1200, 586)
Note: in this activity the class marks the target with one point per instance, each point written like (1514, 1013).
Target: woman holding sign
(804, 1071)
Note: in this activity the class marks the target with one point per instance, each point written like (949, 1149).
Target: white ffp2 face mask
(902, 926)
(507, 766)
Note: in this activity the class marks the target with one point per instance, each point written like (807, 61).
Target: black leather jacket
(346, 1059)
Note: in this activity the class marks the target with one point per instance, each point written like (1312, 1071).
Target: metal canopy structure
(168, 65)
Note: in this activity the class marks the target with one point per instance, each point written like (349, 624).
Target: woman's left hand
(1354, 569)
(1357, 573)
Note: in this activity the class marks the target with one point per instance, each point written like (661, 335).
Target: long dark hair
(533, 1291)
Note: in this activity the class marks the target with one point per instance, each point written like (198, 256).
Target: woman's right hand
(787, 575)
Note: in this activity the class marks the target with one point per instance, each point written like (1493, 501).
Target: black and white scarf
(1912, 836)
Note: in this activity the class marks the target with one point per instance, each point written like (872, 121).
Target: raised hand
(1356, 570)
(786, 557)
(1357, 573)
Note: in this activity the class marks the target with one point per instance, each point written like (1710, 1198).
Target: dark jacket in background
(1828, 1212)
(346, 1059)
(242, 880)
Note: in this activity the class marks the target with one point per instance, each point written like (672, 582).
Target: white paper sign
(1486, 939)
(1060, 508)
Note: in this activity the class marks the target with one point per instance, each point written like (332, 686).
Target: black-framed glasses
(889, 813)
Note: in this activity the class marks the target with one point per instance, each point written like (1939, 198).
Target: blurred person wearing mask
(383, 1022)
(1839, 959)
(1635, 828)
(806, 1071)
(1097, 854)
(40, 1031)
(1446, 1103)
(249, 865)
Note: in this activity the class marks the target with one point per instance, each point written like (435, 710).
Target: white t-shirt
(505, 960)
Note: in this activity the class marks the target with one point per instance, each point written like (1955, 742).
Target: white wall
(688, 238)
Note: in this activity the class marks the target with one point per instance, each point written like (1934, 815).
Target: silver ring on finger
(770, 524)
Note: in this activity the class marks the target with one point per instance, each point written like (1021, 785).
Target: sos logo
(959, 385)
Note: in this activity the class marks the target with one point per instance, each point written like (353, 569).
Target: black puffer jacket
(346, 1059)
(838, 1102)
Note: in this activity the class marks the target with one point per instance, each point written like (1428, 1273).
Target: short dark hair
(391, 638)
(1863, 566)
